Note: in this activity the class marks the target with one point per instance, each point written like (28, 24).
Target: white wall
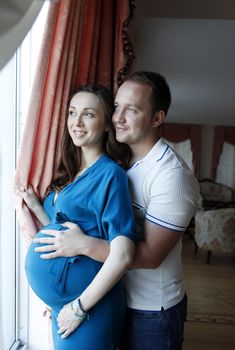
(197, 58)
(187, 52)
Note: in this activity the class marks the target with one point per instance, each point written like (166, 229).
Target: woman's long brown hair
(70, 161)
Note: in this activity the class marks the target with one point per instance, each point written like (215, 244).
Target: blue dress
(100, 203)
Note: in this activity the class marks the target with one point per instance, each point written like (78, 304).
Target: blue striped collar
(156, 153)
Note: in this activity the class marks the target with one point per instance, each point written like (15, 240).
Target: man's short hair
(161, 96)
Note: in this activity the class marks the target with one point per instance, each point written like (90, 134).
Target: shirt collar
(157, 152)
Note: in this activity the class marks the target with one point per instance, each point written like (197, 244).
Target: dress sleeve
(118, 215)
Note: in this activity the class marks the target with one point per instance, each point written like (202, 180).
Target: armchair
(215, 230)
(214, 223)
(215, 195)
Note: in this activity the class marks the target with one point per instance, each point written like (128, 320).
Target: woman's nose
(79, 119)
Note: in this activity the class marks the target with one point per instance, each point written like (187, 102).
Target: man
(164, 194)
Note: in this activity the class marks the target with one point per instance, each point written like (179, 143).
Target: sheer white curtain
(225, 173)
(184, 150)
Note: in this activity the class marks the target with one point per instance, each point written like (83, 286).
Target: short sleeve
(118, 214)
(173, 204)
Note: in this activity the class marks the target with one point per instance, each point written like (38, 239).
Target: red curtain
(106, 53)
(85, 41)
(181, 132)
(221, 134)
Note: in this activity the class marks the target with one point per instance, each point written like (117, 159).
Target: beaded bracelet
(82, 310)
(77, 316)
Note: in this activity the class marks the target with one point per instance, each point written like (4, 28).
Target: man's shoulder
(169, 172)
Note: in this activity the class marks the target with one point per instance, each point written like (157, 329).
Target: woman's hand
(33, 203)
(30, 198)
(67, 322)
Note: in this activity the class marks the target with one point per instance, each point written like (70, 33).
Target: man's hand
(67, 243)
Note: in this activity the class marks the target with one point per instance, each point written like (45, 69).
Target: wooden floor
(211, 293)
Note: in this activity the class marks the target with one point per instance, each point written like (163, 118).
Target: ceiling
(16, 18)
(192, 43)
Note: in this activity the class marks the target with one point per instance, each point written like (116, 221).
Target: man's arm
(71, 242)
(156, 245)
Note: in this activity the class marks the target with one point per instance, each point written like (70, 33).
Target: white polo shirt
(165, 192)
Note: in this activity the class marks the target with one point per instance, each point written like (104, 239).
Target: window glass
(15, 84)
(7, 214)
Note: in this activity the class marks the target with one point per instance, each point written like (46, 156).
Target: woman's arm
(120, 257)
(33, 203)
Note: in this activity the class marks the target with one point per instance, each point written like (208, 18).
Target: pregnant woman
(86, 297)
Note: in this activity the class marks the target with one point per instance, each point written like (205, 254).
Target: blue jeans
(155, 330)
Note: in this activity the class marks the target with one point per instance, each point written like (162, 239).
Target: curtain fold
(225, 171)
(181, 132)
(95, 66)
(221, 134)
(124, 53)
(83, 43)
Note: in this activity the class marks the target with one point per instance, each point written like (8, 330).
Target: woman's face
(86, 120)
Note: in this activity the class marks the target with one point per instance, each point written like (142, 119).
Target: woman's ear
(158, 118)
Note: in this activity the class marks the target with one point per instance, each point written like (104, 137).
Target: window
(7, 215)
(15, 84)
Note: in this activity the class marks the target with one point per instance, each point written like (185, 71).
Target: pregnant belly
(61, 279)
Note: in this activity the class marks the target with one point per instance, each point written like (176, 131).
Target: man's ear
(158, 118)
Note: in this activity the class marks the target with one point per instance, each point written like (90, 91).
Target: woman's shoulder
(108, 170)
(108, 176)
(112, 167)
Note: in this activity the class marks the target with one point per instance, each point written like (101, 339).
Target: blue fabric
(100, 203)
(155, 330)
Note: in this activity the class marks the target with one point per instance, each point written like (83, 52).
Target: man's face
(132, 118)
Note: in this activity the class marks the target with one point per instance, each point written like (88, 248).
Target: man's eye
(88, 115)
(131, 109)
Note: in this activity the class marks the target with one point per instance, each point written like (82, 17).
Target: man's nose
(119, 116)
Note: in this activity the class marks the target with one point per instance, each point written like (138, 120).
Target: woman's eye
(72, 114)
